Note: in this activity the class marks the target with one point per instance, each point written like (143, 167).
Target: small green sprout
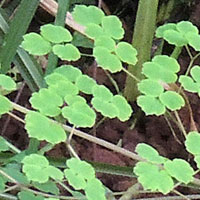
(37, 168)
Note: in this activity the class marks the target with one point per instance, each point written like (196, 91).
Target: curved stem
(180, 124)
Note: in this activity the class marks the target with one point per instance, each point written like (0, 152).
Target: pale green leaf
(193, 40)
(172, 100)
(107, 60)
(180, 170)
(48, 187)
(197, 160)
(50, 131)
(195, 73)
(150, 105)
(105, 41)
(126, 52)
(71, 99)
(192, 143)
(27, 195)
(3, 144)
(5, 105)
(102, 92)
(66, 52)
(185, 27)
(150, 87)
(149, 153)
(7, 83)
(113, 27)
(55, 34)
(54, 173)
(94, 31)
(188, 84)
(161, 29)
(87, 14)
(35, 44)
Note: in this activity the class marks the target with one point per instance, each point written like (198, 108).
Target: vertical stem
(142, 41)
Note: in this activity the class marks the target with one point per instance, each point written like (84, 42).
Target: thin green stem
(188, 51)
(46, 148)
(180, 124)
(131, 75)
(16, 117)
(112, 81)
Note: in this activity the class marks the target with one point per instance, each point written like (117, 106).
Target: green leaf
(150, 87)
(37, 168)
(113, 27)
(85, 84)
(63, 88)
(195, 73)
(24, 195)
(5, 105)
(197, 160)
(192, 143)
(124, 109)
(79, 114)
(161, 29)
(66, 52)
(68, 71)
(106, 108)
(48, 187)
(35, 44)
(193, 40)
(152, 178)
(172, 100)
(180, 169)
(188, 84)
(107, 60)
(55, 34)
(71, 99)
(7, 83)
(175, 37)
(126, 52)
(149, 153)
(102, 92)
(87, 14)
(94, 31)
(2, 184)
(51, 132)
(150, 105)
(3, 144)
(39, 101)
(106, 42)
(95, 190)
(185, 27)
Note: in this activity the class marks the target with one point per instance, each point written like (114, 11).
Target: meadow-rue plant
(64, 100)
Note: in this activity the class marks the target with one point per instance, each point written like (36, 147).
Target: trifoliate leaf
(126, 52)
(161, 29)
(35, 167)
(47, 102)
(35, 44)
(55, 34)
(113, 27)
(102, 92)
(195, 73)
(79, 114)
(66, 52)
(188, 83)
(107, 60)
(149, 153)
(106, 108)
(193, 40)
(81, 167)
(172, 100)
(51, 132)
(124, 109)
(24, 195)
(70, 99)
(152, 178)
(180, 170)
(3, 144)
(175, 37)
(197, 160)
(63, 88)
(150, 105)
(192, 143)
(105, 41)
(87, 14)
(150, 87)
(167, 63)
(94, 31)
(5, 105)
(85, 84)
(7, 83)
(185, 27)
(95, 190)
(68, 71)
